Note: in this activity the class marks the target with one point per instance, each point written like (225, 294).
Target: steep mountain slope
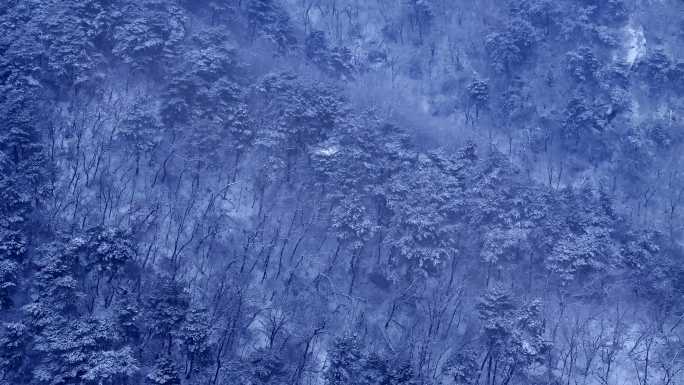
(341, 192)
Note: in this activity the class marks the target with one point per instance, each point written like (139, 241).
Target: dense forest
(342, 192)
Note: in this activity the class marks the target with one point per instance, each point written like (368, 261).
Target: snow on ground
(634, 43)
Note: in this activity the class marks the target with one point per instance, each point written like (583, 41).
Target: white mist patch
(327, 151)
(425, 105)
(636, 110)
(634, 43)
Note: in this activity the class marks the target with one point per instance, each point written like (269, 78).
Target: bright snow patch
(635, 42)
(328, 151)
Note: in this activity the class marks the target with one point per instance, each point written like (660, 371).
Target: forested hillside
(342, 192)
